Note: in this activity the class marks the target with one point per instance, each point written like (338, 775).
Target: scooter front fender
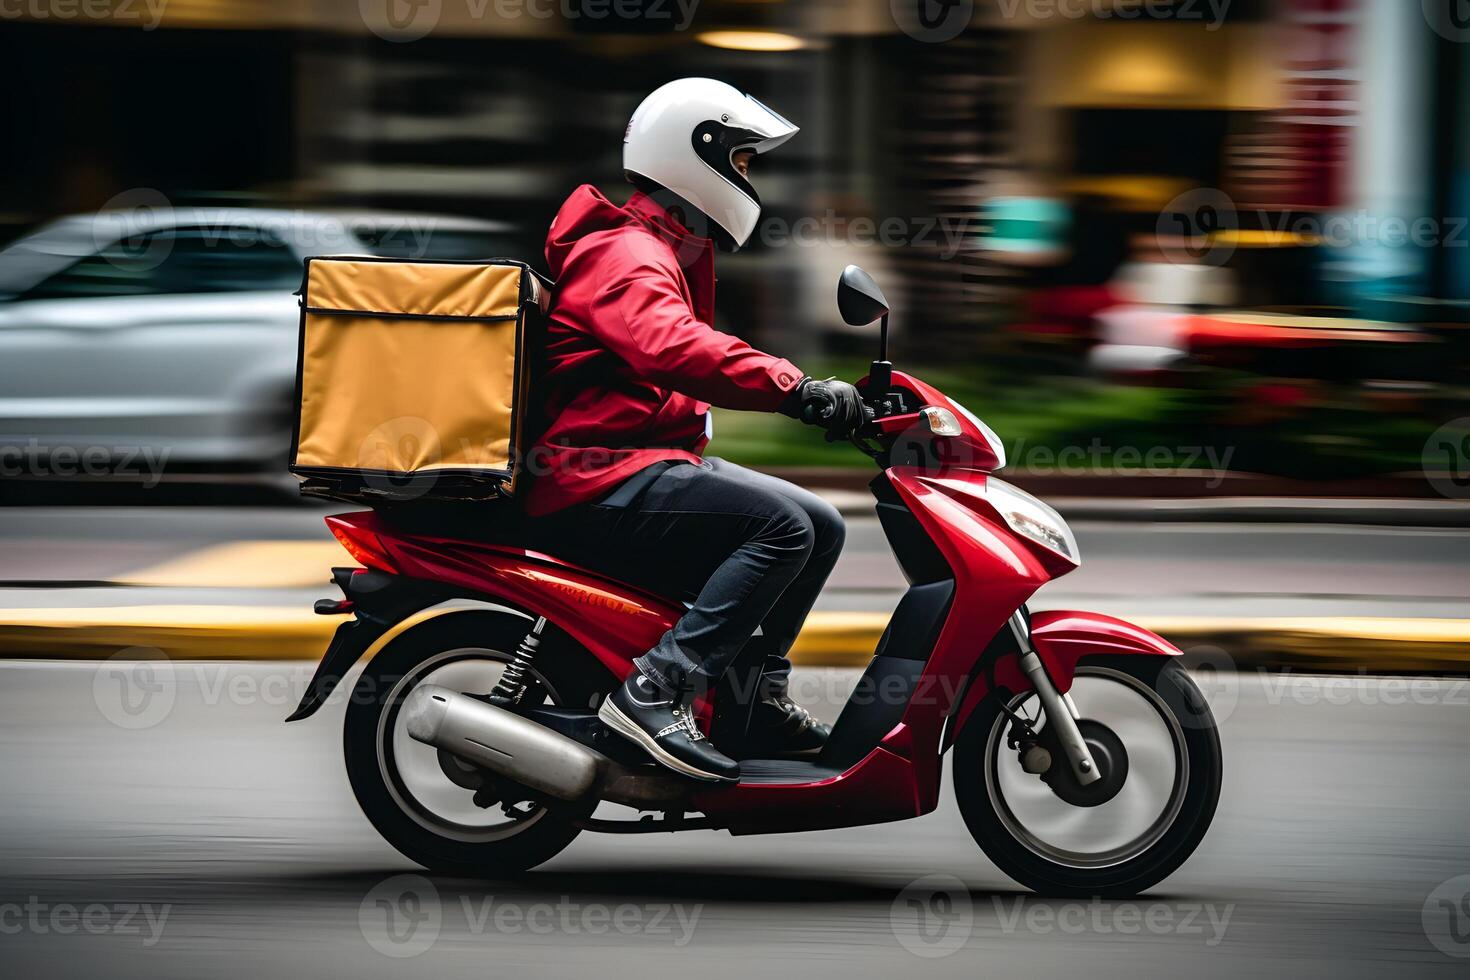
(1062, 638)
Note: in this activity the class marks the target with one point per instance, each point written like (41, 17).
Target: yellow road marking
(838, 639)
(1353, 627)
(180, 632)
(217, 632)
(246, 565)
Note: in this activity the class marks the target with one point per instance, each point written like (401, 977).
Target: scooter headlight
(1032, 519)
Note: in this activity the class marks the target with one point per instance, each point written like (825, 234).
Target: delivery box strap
(322, 311)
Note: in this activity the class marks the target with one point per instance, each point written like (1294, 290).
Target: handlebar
(888, 403)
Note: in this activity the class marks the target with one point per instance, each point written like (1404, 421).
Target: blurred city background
(1143, 226)
(1204, 265)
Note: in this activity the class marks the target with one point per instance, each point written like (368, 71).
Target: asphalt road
(1129, 568)
(219, 842)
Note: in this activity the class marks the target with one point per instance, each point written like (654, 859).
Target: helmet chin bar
(716, 145)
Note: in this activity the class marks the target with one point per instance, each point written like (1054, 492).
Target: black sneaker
(780, 726)
(666, 729)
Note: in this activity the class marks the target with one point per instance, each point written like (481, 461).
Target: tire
(1192, 801)
(275, 418)
(272, 472)
(380, 788)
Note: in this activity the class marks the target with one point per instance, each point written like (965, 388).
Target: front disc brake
(1107, 752)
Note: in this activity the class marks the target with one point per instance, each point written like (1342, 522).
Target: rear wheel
(442, 813)
(1158, 752)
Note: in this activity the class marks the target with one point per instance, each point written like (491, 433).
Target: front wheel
(1150, 726)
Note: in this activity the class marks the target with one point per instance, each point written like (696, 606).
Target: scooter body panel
(614, 622)
(994, 573)
(883, 787)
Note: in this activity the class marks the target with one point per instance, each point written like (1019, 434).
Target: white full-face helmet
(683, 137)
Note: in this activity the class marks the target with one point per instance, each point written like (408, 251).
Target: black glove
(834, 405)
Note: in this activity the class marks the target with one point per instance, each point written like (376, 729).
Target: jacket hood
(587, 211)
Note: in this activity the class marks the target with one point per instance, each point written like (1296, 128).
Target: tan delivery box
(412, 377)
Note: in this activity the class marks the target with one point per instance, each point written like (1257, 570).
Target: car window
(401, 242)
(183, 260)
(214, 260)
(121, 269)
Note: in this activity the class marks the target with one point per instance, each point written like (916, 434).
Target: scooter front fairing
(968, 573)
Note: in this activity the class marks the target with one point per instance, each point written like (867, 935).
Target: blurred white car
(1145, 335)
(171, 334)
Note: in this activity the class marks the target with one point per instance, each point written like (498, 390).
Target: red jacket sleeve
(643, 318)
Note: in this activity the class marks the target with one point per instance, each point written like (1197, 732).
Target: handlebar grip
(812, 412)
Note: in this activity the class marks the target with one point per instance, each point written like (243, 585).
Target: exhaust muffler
(503, 742)
(533, 755)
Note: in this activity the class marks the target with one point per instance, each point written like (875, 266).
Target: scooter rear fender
(382, 605)
(410, 573)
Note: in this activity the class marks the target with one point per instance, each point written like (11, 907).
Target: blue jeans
(755, 549)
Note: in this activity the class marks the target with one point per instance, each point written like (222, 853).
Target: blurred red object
(1066, 311)
(1204, 333)
(1279, 395)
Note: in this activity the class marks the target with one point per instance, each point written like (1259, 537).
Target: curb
(830, 639)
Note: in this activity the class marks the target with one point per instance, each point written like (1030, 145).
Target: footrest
(784, 771)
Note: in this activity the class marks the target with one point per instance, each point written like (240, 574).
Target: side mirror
(860, 302)
(859, 299)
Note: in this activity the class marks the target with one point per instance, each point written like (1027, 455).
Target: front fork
(1061, 712)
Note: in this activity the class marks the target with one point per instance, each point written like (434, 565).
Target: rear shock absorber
(517, 675)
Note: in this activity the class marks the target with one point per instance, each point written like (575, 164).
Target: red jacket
(633, 364)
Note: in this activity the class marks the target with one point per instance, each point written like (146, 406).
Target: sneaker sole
(610, 716)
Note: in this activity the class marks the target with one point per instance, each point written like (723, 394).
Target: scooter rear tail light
(363, 545)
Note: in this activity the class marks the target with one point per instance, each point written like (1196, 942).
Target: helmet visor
(769, 128)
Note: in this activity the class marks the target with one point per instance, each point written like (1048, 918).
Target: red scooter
(1086, 761)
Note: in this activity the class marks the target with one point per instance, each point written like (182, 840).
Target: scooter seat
(502, 523)
(496, 522)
